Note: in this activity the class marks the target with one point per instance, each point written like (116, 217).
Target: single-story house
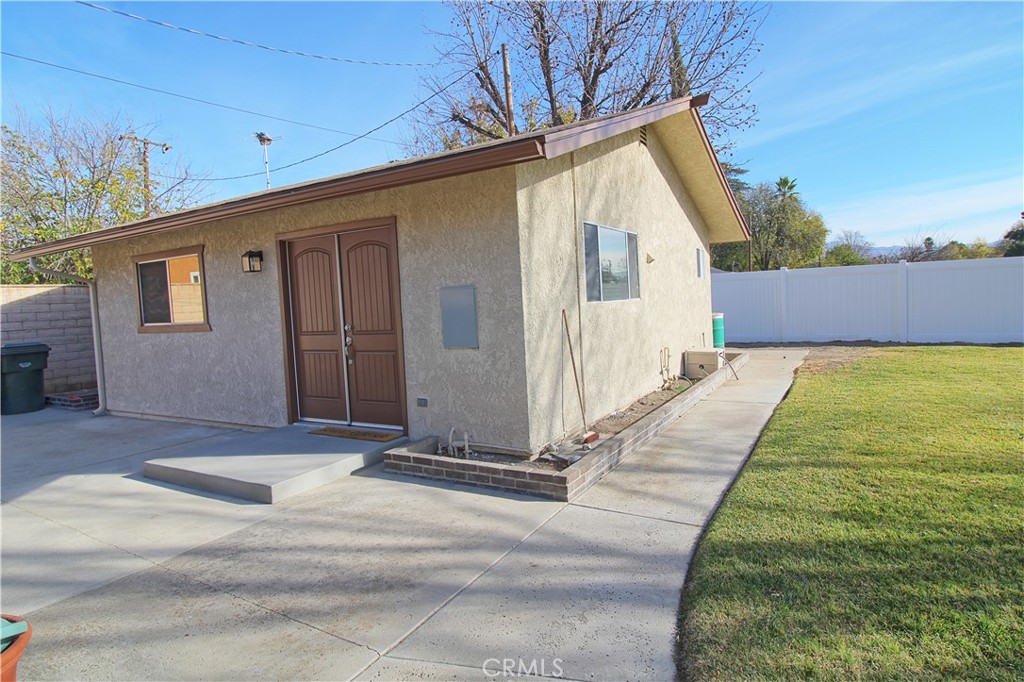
(491, 289)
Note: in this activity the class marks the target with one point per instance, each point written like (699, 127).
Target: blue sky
(896, 119)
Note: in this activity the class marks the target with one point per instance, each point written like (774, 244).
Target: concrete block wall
(57, 315)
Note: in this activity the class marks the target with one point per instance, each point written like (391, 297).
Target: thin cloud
(964, 208)
(853, 97)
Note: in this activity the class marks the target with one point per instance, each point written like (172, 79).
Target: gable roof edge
(561, 142)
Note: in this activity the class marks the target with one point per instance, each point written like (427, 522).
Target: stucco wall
(59, 316)
(456, 231)
(623, 184)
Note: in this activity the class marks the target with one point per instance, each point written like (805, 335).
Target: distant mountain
(877, 251)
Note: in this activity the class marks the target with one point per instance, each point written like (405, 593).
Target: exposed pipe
(97, 343)
(721, 354)
(575, 374)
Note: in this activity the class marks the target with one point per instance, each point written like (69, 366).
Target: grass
(877, 532)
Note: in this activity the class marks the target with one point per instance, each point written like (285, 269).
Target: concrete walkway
(373, 576)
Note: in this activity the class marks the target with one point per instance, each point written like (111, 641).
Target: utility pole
(146, 144)
(509, 116)
(265, 141)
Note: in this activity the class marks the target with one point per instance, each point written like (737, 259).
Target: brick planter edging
(75, 400)
(610, 452)
(418, 459)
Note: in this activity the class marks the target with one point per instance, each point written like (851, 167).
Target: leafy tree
(578, 60)
(956, 250)
(734, 174)
(784, 232)
(843, 254)
(1013, 240)
(69, 176)
(856, 241)
(932, 248)
(849, 247)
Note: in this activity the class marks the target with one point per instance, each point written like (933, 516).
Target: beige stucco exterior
(617, 345)
(456, 231)
(515, 233)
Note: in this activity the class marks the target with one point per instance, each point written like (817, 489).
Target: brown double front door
(346, 326)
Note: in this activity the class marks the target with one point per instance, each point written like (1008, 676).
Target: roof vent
(643, 135)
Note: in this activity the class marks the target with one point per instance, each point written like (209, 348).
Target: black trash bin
(22, 377)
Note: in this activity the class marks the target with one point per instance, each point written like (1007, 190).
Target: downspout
(97, 343)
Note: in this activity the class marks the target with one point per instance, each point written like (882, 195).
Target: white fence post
(783, 306)
(902, 302)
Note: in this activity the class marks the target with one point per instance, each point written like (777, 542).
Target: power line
(343, 144)
(190, 98)
(236, 41)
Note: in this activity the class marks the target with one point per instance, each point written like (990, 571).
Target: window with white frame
(700, 263)
(612, 265)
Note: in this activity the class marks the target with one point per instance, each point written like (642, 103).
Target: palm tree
(786, 189)
(787, 199)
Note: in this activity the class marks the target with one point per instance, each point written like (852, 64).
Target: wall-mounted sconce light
(252, 261)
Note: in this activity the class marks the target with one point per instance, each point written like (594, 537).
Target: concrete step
(267, 466)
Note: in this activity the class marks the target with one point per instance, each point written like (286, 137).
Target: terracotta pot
(9, 657)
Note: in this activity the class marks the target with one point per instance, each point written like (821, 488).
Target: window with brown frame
(172, 297)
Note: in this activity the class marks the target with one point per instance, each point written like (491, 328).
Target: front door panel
(369, 271)
(317, 328)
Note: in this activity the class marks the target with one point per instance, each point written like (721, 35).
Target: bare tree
(71, 175)
(580, 60)
(855, 242)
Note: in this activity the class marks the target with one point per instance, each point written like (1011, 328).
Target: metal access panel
(458, 317)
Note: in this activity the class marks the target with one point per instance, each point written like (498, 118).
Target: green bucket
(718, 329)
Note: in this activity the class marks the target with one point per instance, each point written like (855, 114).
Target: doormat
(357, 434)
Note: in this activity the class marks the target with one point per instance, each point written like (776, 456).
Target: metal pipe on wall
(94, 310)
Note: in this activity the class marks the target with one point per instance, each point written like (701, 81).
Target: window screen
(156, 293)
(592, 255)
(634, 266)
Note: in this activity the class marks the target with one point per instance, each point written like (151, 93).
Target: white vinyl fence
(972, 301)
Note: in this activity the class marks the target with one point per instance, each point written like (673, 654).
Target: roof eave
(471, 161)
(532, 147)
(569, 140)
(726, 187)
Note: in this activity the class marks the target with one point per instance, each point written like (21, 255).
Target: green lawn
(877, 532)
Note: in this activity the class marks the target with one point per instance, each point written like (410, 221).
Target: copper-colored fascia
(721, 174)
(535, 146)
(434, 168)
(572, 138)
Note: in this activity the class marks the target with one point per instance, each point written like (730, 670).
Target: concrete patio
(371, 576)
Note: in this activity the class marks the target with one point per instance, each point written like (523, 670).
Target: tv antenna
(265, 141)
